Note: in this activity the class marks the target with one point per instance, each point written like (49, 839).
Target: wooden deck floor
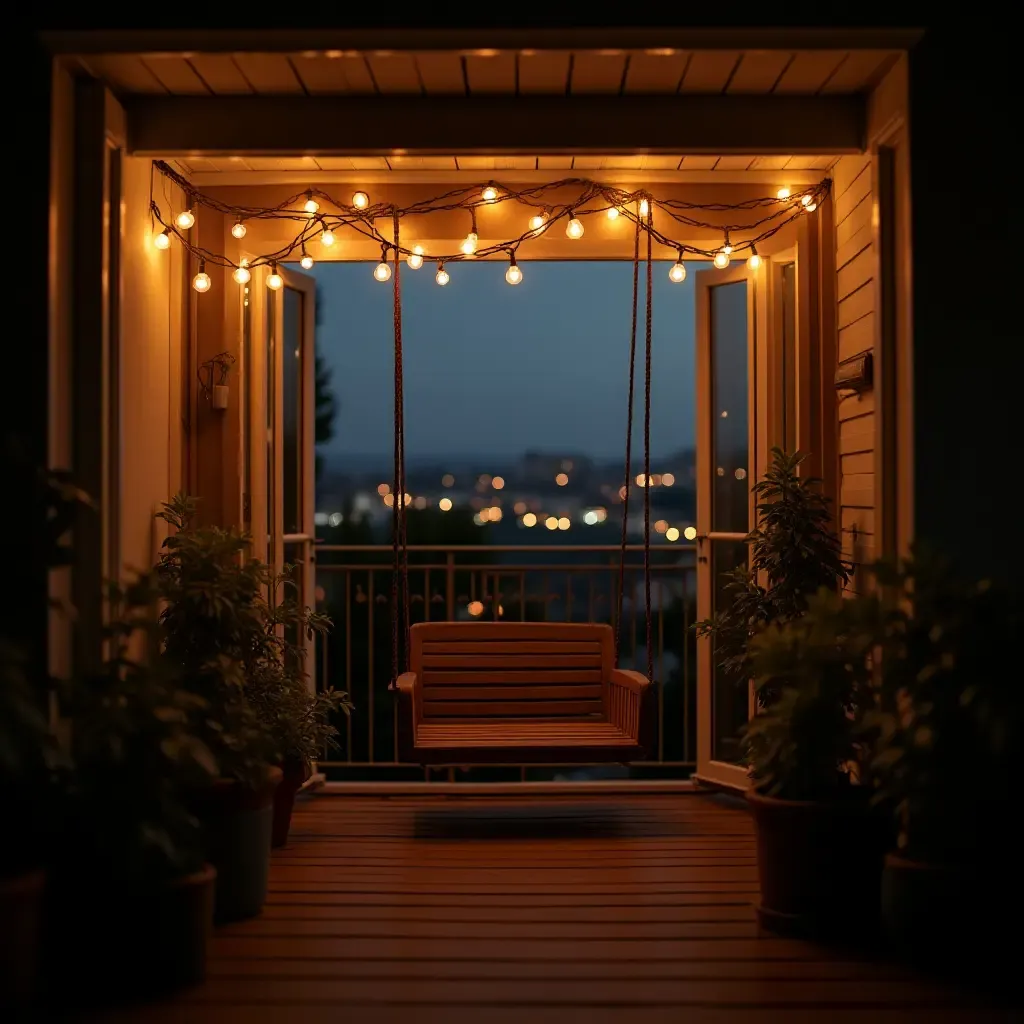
(528, 911)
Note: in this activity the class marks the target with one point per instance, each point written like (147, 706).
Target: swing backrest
(494, 671)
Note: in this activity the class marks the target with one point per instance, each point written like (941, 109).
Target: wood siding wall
(856, 295)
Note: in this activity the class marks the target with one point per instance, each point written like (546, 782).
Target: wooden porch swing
(519, 692)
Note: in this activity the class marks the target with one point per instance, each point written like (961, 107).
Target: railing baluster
(348, 659)
(370, 601)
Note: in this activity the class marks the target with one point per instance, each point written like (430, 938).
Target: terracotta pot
(953, 918)
(295, 774)
(820, 866)
(21, 914)
(108, 941)
(237, 823)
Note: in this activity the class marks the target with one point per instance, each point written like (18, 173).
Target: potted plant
(219, 632)
(794, 552)
(131, 899)
(947, 736)
(30, 759)
(819, 842)
(301, 725)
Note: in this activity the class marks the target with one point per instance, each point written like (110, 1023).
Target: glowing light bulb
(382, 272)
(727, 248)
(783, 193)
(415, 260)
(677, 273)
(311, 206)
(306, 262)
(806, 200)
(753, 261)
(327, 238)
(185, 219)
(811, 207)
(645, 208)
(613, 212)
(238, 230)
(574, 229)
(469, 245)
(274, 281)
(537, 222)
(162, 241)
(690, 533)
(490, 194)
(513, 275)
(441, 277)
(721, 259)
(201, 282)
(360, 200)
(241, 275)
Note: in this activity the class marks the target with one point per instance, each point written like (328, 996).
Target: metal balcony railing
(540, 583)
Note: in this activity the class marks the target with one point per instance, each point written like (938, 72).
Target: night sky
(495, 369)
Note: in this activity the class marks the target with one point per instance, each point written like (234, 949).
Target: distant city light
(672, 534)
(562, 479)
(383, 489)
(479, 519)
(445, 504)
(447, 480)
(590, 518)
(564, 523)
(661, 526)
(641, 480)
(740, 474)
(334, 519)
(419, 502)
(690, 533)
(519, 507)
(668, 479)
(551, 523)
(498, 483)
(529, 519)
(320, 518)
(475, 608)
(485, 479)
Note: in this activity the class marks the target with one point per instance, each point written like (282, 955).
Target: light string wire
(593, 198)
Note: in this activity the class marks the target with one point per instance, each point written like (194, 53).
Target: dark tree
(324, 404)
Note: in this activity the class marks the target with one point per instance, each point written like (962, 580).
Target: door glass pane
(789, 357)
(270, 404)
(730, 495)
(291, 361)
(294, 555)
(730, 451)
(729, 691)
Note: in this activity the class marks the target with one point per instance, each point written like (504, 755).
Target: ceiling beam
(499, 125)
(186, 41)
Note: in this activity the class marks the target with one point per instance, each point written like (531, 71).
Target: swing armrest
(631, 680)
(407, 693)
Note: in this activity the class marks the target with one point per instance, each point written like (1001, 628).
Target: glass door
(729, 456)
(290, 490)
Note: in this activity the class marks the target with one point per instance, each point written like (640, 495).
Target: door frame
(759, 319)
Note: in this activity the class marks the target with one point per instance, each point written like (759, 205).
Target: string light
(490, 194)
(441, 277)
(677, 272)
(754, 261)
(274, 281)
(360, 200)
(307, 261)
(201, 282)
(783, 193)
(382, 272)
(311, 204)
(752, 220)
(513, 275)
(238, 229)
(242, 274)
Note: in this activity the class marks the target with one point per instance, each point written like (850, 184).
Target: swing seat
(519, 692)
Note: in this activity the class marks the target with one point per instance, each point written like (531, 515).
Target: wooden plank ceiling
(580, 165)
(482, 72)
